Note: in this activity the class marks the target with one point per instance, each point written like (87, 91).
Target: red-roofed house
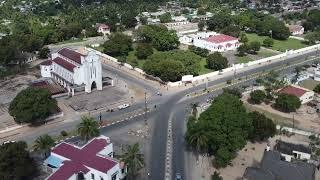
(211, 40)
(305, 95)
(93, 161)
(74, 70)
(296, 29)
(103, 28)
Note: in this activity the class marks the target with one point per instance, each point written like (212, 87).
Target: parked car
(178, 176)
(123, 106)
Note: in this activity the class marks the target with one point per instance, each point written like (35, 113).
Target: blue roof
(54, 161)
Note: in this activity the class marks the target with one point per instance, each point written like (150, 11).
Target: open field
(263, 53)
(278, 45)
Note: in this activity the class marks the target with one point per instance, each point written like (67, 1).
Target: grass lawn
(278, 45)
(309, 84)
(244, 59)
(203, 69)
(70, 41)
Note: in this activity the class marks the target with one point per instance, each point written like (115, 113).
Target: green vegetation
(263, 127)
(32, 105)
(287, 103)
(44, 144)
(133, 159)
(317, 89)
(279, 45)
(172, 65)
(244, 59)
(165, 18)
(88, 128)
(15, 162)
(216, 61)
(118, 45)
(257, 97)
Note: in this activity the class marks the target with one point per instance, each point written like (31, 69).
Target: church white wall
(45, 70)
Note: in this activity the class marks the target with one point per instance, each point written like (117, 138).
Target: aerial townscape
(159, 90)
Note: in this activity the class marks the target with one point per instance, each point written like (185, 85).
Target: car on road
(159, 93)
(123, 106)
(178, 176)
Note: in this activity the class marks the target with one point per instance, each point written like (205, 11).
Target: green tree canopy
(44, 144)
(31, 105)
(88, 128)
(263, 127)
(165, 18)
(216, 61)
(228, 126)
(143, 50)
(287, 103)
(257, 97)
(268, 42)
(16, 163)
(317, 89)
(118, 45)
(133, 159)
(199, 51)
(254, 47)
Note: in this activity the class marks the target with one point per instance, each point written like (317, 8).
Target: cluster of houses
(94, 160)
(285, 161)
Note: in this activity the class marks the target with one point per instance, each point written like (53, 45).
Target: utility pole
(145, 108)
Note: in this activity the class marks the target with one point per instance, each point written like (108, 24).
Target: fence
(288, 54)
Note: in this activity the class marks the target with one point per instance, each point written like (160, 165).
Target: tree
(143, 20)
(165, 18)
(88, 128)
(263, 127)
(257, 96)
(31, 105)
(133, 159)
(234, 91)
(268, 42)
(243, 37)
(216, 61)
(287, 103)
(44, 144)
(242, 49)
(128, 19)
(254, 46)
(216, 176)
(219, 21)
(143, 50)
(317, 89)
(118, 45)
(201, 11)
(313, 37)
(199, 51)
(231, 30)
(15, 162)
(44, 52)
(165, 40)
(224, 126)
(201, 25)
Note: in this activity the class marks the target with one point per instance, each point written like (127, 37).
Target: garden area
(278, 45)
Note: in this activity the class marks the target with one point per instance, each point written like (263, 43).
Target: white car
(123, 106)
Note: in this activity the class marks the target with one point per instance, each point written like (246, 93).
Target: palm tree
(88, 128)
(44, 144)
(133, 159)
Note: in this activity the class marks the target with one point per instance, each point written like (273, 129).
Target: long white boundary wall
(235, 67)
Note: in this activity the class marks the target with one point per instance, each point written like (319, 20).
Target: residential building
(93, 161)
(291, 151)
(73, 70)
(305, 95)
(273, 168)
(103, 28)
(211, 40)
(296, 29)
(316, 76)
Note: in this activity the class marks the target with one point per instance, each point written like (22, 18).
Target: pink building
(103, 28)
(93, 161)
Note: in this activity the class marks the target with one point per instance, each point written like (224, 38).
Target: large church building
(73, 70)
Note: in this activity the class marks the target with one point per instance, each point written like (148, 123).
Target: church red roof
(81, 158)
(71, 54)
(46, 63)
(65, 64)
(220, 38)
(295, 91)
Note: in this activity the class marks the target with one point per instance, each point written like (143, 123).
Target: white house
(305, 95)
(74, 70)
(296, 29)
(93, 161)
(211, 40)
(103, 28)
(291, 151)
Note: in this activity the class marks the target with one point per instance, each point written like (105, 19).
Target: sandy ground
(250, 155)
(305, 118)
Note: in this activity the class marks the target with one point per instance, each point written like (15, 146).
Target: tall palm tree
(133, 159)
(44, 144)
(88, 128)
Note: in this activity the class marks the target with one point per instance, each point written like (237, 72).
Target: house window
(114, 176)
(92, 176)
(101, 178)
(110, 154)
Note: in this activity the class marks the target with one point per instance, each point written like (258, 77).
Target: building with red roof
(74, 70)
(103, 28)
(305, 95)
(92, 161)
(211, 40)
